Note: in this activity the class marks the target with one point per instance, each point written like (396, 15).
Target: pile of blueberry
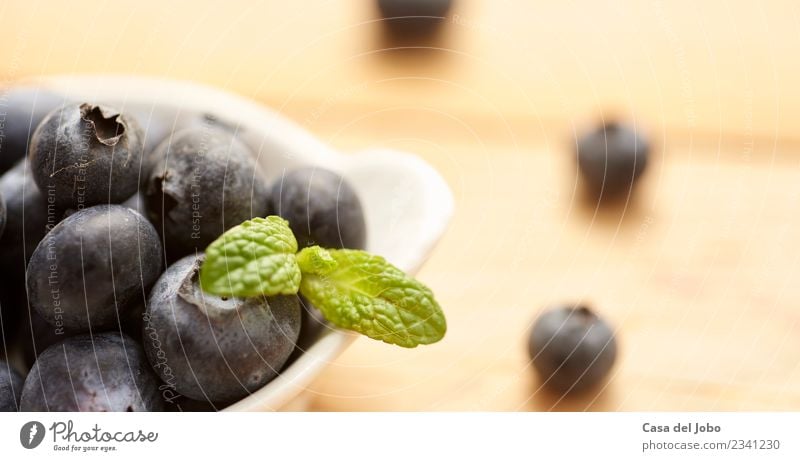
(105, 216)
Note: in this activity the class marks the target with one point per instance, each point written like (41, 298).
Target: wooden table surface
(699, 273)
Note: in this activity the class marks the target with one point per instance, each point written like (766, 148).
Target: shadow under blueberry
(596, 398)
(610, 210)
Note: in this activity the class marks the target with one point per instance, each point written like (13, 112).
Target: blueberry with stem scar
(572, 348)
(200, 183)
(86, 155)
(212, 348)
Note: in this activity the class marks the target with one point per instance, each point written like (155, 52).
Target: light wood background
(699, 273)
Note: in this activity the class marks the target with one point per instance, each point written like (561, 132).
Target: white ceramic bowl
(406, 202)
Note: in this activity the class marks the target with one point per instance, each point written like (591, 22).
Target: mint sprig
(255, 258)
(364, 293)
(353, 289)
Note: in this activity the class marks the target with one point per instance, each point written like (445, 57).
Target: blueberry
(103, 372)
(10, 387)
(572, 348)
(216, 349)
(93, 268)
(413, 17)
(87, 155)
(23, 109)
(28, 220)
(202, 182)
(611, 159)
(321, 207)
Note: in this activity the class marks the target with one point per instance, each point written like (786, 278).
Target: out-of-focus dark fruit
(216, 349)
(23, 107)
(10, 387)
(102, 372)
(405, 18)
(572, 348)
(93, 268)
(203, 183)
(86, 155)
(321, 207)
(611, 160)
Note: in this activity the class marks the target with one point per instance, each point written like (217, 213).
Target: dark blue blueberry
(202, 182)
(10, 387)
(102, 372)
(572, 348)
(611, 159)
(93, 268)
(321, 207)
(216, 349)
(87, 155)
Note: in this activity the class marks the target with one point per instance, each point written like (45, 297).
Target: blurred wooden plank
(698, 69)
(698, 274)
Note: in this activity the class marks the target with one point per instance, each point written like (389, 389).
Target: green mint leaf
(254, 258)
(364, 293)
(316, 261)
